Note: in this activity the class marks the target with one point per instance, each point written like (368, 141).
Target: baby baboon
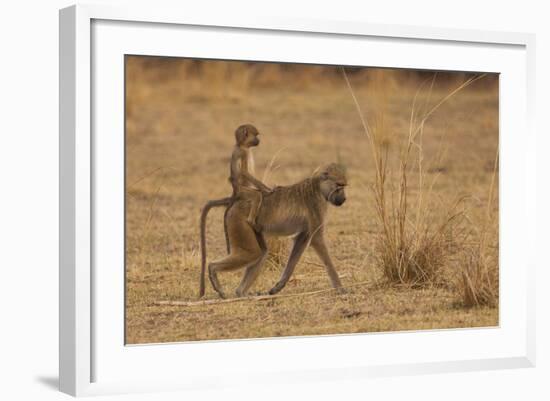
(297, 210)
(245, 185)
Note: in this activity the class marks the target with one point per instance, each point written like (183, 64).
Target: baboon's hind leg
(253, 269)
(227, 263)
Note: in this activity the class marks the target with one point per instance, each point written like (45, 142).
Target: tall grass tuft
(479, 280)
(413, 246)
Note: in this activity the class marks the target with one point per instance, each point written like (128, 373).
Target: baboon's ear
(240, 134)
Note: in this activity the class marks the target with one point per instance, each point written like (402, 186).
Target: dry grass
(413, 246)
(178, 142)
(480, 282)
(479, 279)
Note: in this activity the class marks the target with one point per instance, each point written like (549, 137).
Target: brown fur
(297, 210)
(246, 187)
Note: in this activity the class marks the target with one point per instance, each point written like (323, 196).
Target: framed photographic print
(305, 199)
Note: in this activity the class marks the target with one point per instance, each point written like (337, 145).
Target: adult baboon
(297, 210)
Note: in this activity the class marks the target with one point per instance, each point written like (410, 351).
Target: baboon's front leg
(300, 244)
(318, 243)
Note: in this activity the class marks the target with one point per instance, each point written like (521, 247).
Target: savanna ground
(181, 116)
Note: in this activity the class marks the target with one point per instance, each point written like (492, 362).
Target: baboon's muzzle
(338, 200)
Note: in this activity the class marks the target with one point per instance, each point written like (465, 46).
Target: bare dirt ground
(179, 135)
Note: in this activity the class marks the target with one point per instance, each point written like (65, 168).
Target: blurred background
(181, 115)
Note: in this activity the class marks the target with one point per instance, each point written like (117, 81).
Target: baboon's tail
(209, 205)
(225, 232)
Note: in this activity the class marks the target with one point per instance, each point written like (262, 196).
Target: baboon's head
(333, 181)
(247, 135)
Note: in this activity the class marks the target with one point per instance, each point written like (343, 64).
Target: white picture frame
(93, 357)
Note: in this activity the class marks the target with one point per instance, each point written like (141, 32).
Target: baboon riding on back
(297, 210)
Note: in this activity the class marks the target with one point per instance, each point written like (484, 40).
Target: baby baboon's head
(247, 135)
(333, 181)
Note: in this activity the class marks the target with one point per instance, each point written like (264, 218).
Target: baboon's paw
(274, 290)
